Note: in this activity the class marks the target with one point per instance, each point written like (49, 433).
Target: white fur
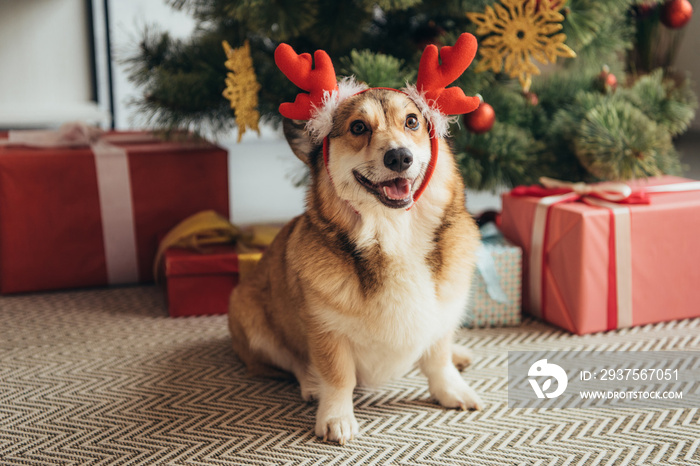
(439, 122)
(335, 418)
(447, 386)
(321, 122)
(411, 322)
(412, 319)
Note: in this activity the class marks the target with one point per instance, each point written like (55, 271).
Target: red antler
(433, 76)
(299, 71)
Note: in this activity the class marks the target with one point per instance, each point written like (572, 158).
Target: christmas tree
(581, 90)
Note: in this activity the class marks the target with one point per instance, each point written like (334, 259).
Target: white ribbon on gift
(118, 230)
(539, 225)
(602, 195)
(486, 265)
(615, 191)
(114, 187)
(609, 190)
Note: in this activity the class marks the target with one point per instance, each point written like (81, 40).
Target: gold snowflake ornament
(517, 32)
(242, 87)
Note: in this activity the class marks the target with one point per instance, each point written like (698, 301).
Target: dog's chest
(402, 317)
(403, 321)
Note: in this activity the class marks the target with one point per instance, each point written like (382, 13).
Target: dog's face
(379, 149)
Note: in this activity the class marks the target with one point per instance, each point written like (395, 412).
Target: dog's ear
(299, 139)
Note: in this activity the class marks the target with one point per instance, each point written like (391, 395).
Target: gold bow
(209, 228)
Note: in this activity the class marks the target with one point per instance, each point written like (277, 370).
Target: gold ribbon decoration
(242, 87)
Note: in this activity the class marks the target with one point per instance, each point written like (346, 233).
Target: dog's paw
(461, 357)
(341, 429)
(456, 393)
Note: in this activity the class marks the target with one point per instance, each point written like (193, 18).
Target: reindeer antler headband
(435, 101)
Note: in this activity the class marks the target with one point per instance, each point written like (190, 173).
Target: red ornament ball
(644, 10)
(480, 120)
(607, 81)
(531, 98)
(676, 13)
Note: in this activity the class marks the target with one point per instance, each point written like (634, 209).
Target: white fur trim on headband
(439, 121)
(321, 122)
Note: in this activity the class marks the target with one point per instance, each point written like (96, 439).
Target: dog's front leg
(332, 358)
(444, 381)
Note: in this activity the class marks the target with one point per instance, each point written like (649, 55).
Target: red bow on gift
(619, 193)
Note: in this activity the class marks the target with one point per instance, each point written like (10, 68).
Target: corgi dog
(369, 281)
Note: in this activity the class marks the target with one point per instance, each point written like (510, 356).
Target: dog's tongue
(397, 189)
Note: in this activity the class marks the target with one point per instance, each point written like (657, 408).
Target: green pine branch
(570, 126)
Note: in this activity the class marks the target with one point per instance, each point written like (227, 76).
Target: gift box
(204, 257)
(608, 256)
(200, 282)
(496, 287)
(87, 209)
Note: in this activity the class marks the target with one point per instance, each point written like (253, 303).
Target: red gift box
(597, 265)
(200, 284)
(91, 214)
(204, 257)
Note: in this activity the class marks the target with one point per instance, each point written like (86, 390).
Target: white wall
(45, 71)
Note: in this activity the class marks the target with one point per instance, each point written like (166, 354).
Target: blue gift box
(497, 285)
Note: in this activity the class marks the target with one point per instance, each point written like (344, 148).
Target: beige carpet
(105, 377)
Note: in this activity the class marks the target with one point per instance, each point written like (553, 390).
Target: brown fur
(320, 270)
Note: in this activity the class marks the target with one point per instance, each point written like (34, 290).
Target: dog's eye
(412, 122)
(358, 127)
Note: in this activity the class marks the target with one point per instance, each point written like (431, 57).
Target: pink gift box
(583, 280)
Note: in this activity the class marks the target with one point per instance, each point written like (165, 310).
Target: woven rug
(106, 377)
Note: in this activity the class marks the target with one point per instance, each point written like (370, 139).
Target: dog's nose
(398, 159)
